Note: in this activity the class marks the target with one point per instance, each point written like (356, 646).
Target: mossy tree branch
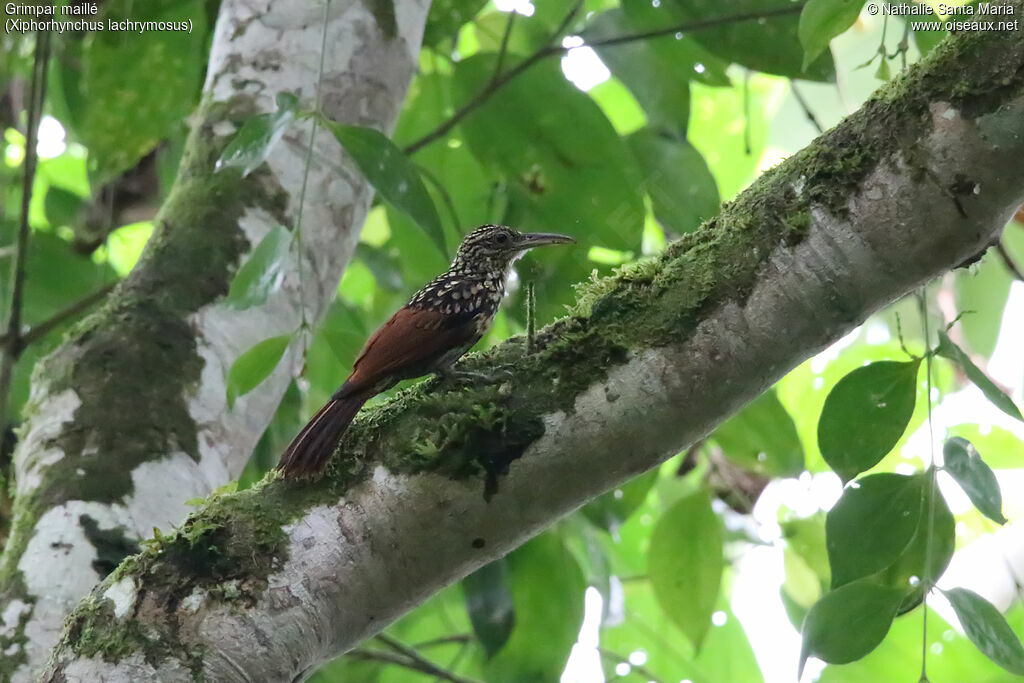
(128, 418)
(266, 584)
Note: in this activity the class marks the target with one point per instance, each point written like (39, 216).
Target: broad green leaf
(977, 480)
(948, 349)
(566, 168)
(823, 20)
(62, 206)
(263, 272)
(446, 17)
(255, 365)
(489, 605)
(952, 658)
(770, 45)
(685, 564)
(682, 190)
(871, 525)
(865, 414)
(547, 589)
(1003, 449)
(849, 622)
(256, 138)
(806, 537)
(391, 174)
(610, 510)
(927, 40)
(660, 86)
(987, 629)
(762, 437)
(137, 89)
(933, 543)
(981, 292)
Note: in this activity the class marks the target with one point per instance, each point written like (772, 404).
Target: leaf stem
(927, 581)
(304, 324)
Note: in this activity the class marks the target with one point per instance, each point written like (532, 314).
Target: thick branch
(155, 355)
(266, 584)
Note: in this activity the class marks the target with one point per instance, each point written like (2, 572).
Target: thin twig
(805, 106)
(37, 332)
(12, 347)
(1008, 261)
(927, 581)
(402, 661)
(555, 49)
(458, 638)
(504, 44)
(416, 660)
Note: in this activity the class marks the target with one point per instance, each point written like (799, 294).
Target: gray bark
(68, 503)
(922, 178)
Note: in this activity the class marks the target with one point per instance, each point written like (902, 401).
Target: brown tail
(310, 450)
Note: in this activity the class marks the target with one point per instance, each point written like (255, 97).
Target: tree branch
(499, 82)
(40, 330)
(418, 664)
(649, 361)
(1008, 261)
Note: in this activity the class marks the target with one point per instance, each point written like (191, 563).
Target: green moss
(133, 362)
(475, 429)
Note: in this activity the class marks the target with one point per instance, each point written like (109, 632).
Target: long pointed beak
(529, 240)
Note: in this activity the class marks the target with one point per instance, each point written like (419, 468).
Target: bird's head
(495, 247)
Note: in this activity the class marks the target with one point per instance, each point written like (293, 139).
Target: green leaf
(948, 349)
(882, 73)
(987, 629)
(136, 89)
(263, 272)
(762, 437)
(928, 553)
(62, 206)
(566, 168)
(257, 136)
(682, 190)
(865, 414)
(849, 622)
(770, 45)
(871, 525)
(255, 365)
(489, 605)
(685, 564)
(660, 86)
(391, 174)
(547, 589)
(927, 40)
(823, 20)
(610, 510)
(977, 480)
(446, 17)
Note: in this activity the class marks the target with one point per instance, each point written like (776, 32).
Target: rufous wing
(407, 346)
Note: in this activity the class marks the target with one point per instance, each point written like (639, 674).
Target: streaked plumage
(440, 323)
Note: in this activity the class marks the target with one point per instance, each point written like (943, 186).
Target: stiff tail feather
(309, 451)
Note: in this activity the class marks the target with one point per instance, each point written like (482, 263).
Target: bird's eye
(501, 238)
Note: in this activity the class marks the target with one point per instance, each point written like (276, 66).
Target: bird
(427, 335)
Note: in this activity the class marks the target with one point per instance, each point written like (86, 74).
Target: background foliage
(728, 549)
